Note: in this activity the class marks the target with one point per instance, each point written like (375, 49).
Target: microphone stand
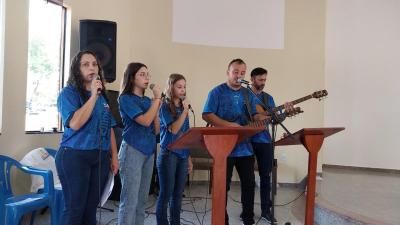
(274, 121)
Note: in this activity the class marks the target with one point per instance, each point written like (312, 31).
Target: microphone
(243, 81)
(151, 88)
(190, 107)
(97, 77)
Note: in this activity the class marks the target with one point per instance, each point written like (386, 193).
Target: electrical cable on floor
(190, 198)
(259, 219)
(109, 222)
(187, 221)
(205, 205)
(292, 200)
(285, 204)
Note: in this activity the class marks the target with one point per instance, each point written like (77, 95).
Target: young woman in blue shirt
(88, 146)
(136, 156)
(173, 166)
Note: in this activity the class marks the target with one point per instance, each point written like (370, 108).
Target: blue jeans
(263, 152)
(172, 172)
(135, 172)
(79, 172)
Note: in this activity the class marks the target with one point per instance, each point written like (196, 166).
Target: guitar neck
(305, 98)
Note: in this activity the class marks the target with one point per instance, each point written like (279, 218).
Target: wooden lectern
(219, 141)
(312, 139)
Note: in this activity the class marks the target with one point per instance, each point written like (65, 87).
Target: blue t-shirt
(139, 137)
(95, 132)
(166, 137)
(229, 105)
(264, 136)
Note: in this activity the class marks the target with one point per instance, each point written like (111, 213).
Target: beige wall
(362, 72)
(144, 34)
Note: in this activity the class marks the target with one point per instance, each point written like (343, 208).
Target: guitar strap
(265, 97)
(245, 93)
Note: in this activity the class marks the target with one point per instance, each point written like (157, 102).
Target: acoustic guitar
(317, 94)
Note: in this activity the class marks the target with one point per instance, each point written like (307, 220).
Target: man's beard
(259, 87)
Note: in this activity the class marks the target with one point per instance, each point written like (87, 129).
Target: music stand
(311, 139)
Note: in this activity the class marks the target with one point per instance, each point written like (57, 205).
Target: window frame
(2, 49)
(62, 66)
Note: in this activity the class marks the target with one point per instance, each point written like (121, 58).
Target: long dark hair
(129, 77)
(173, 78)
(75, 76)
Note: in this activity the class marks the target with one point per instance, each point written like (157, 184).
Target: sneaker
(267, 216)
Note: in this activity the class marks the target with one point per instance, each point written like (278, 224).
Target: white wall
(362, 76)
(261, 23)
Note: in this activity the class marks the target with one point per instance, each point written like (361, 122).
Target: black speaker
(100, 37)
(112, 97)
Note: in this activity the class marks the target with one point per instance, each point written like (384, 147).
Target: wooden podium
(219, 142)
(312, 139)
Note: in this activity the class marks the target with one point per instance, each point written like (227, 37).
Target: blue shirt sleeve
(129, 107)
(165, 115)
(212, 103)
(271, 102)
(68, 102)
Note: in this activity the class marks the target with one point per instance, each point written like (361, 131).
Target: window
(2, 18)
(45, 65)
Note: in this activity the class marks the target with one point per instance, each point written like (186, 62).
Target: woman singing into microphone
(83, 160)
(172, 166)
(136, 156)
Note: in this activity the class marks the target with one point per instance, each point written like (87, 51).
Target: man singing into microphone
(226, 106)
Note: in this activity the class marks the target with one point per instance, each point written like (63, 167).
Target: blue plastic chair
(12, 208)
(51, 152)
(58, 200)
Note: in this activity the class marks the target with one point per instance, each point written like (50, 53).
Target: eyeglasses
(87, 64)
(146, 75)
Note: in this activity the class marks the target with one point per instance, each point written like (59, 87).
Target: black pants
(263, 152)
(245, 168)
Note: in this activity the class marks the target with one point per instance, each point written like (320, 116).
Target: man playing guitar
(261, 143)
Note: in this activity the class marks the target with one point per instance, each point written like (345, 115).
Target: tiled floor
(372, 194)
(200, 202)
